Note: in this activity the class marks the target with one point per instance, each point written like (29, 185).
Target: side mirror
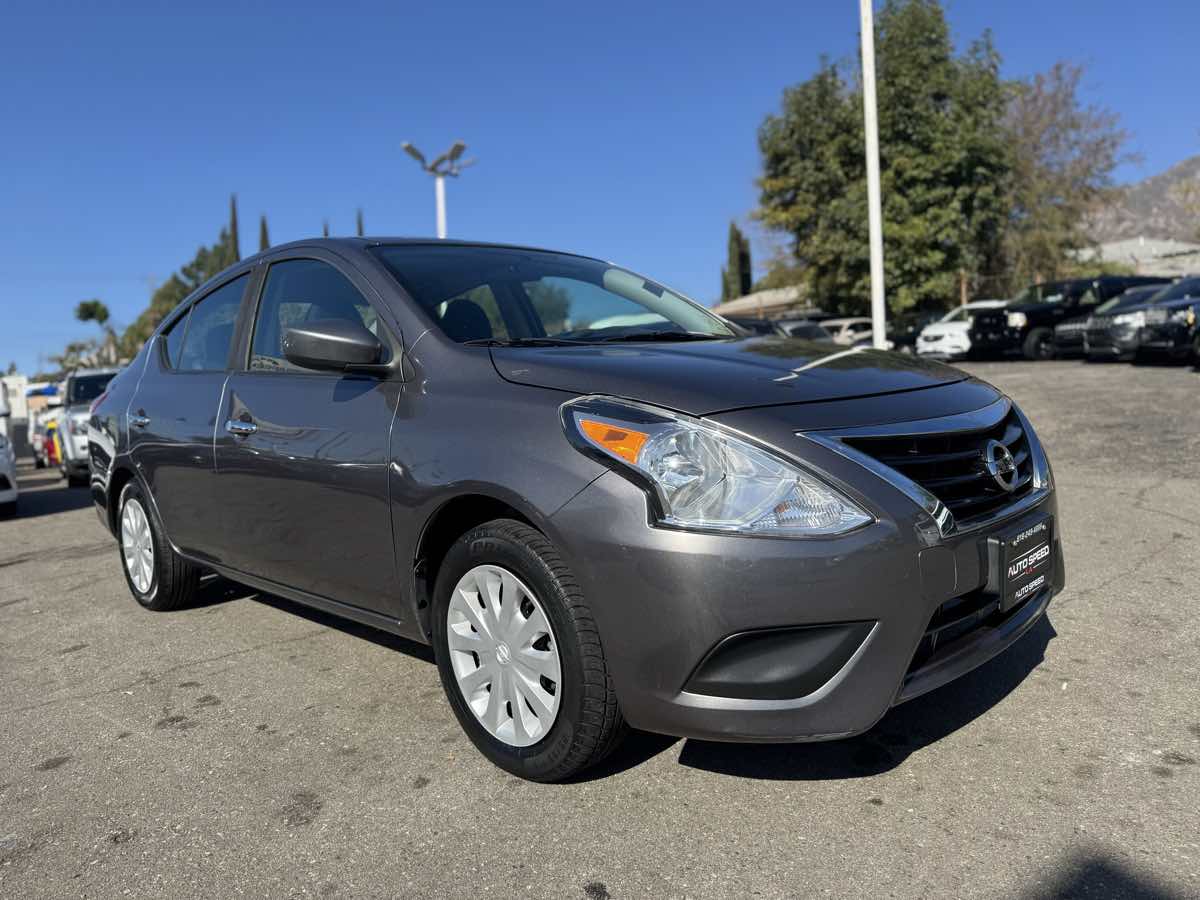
(337, 345)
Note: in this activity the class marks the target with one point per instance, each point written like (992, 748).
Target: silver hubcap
(504, 655)
(137, 545)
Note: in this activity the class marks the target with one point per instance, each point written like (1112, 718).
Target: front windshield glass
(1129, 298)
(512, 295)
(86, 388)
(1180, 290)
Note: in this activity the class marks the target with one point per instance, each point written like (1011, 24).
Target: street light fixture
(447, 164)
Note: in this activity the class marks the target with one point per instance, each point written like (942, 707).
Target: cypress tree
(234, 245)
(264, 242)
(325, 228)
(736, 275)
(358, 222)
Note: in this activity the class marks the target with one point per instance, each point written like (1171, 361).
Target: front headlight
(1191, 317)
(1017, 320)
(1181, 315)
(1135, 319)
(704, 478)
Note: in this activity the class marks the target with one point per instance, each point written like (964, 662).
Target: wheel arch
(453, 518)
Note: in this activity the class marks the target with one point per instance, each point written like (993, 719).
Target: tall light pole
(447, 164)
(874, 206)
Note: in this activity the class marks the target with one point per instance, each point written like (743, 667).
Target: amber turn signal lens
(622, 442)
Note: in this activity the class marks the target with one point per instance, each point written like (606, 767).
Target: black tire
(1039, 343)
(39, 463)
(589, 724)
(1196, 351)
(174, 580)
(78, 481)
(8, 510)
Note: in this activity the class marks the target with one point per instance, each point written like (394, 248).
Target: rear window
(86, 388)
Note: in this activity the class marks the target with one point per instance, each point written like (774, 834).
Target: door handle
(139, 420)
(240, 428)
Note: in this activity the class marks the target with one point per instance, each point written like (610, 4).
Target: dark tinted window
(175, 339)
(477, 293)
(1182, 289)
(210, 328)
(86, 388)
(303, 290)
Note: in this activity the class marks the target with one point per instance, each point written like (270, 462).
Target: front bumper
(944, 347)
(1068, 341)
(1170, 339)
(8, 479)
(1118, 342)
(664, 600)
(995, 340)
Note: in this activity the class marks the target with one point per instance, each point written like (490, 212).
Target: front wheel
(158, 577)
(519, 655)
(1039, 344)
(1196, 351)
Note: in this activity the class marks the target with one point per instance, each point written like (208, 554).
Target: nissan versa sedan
(600, 506)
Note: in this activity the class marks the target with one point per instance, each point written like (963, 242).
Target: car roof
(847, 320)
(362, 243)
(102, 370)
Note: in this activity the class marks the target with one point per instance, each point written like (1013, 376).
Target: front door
(174, 414)
(302, 456)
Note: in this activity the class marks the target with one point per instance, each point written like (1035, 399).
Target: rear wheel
(8, 510)
(1039, 344)
(158, 577)
(519, 655)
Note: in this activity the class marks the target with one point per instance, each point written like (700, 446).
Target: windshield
(86, 388)
(1180, 290)
(511, 295)
(1129, 298)
(811, 332)
(1050, 292)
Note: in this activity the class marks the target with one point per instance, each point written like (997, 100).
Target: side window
(175, 340)
(302, 290)
(210, 328)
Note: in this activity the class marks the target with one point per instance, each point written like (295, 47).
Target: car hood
(705, 377)
(945, 328)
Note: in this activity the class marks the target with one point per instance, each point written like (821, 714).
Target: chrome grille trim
(976, 420)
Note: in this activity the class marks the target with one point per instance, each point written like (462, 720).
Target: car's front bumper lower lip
(665, 601)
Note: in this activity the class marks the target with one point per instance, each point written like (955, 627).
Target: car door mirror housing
(333, 345)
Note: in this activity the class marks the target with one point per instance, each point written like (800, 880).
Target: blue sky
(622, 130)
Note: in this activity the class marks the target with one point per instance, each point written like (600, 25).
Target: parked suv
(80, 390)
(1071, 337)
(1026, 325)
(1156, 327)
(598, 504)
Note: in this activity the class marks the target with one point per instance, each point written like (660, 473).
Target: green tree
(944, 167)
(736, 275)
(1064, 156)
(264, 241)
(207, 262)
(235, 247)
(95, 311)
(325, 228)
(12, 368)
(358, 223)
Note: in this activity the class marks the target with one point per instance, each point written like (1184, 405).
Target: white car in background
(848, 331)
(947, 337)
(8, 478)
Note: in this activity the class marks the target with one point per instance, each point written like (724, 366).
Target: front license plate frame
(1021, 561)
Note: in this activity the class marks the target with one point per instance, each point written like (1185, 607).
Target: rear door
(302, 455)
(174, 413)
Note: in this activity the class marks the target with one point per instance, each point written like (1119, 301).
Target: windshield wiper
(662, 336)
(522, 342)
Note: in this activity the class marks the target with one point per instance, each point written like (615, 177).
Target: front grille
(950, 465)
(959, 619)
(990, 319)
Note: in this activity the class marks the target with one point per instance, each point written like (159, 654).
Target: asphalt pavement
(250, 747)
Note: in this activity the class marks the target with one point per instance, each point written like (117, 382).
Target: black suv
(1027, 324)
